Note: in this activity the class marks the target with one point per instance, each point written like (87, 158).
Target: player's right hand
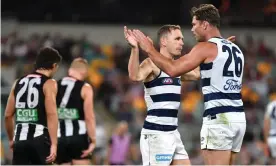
(130, 37)
(232, 38)
(53, 154)
(11, 144)
(88, 151)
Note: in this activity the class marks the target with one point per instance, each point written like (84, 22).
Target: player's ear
(55, 65)
(205, 24)
(163, 41)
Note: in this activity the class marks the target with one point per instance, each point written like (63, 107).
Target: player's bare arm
(177, 67)
(266, 128)
(186, 63)
(195, 74)
(137, 71)
(192, 75)
(9, 115)
(50, 92)
(90, 119)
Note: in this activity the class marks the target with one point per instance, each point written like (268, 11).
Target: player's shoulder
(87, 87)
(86, 90)
(150, 63)
(50, 83)
(205, 45)
(204, 48)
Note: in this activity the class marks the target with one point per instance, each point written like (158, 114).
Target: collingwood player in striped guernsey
(160, 141)
(270, 129)
(221, 63)
(76, 116)
(32, 100)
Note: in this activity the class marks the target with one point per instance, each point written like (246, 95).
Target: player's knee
(81, 162)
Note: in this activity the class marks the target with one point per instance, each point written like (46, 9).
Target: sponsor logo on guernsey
(26, 115)
(167, 81)
(68, 113)
(232, 84)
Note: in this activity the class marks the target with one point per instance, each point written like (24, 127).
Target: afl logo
(167, 81)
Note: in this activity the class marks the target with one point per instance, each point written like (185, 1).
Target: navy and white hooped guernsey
(162, 96)
(222, 80)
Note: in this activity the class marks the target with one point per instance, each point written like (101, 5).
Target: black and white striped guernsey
(70, 107)
(31, 120)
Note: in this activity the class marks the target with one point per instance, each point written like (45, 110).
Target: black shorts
(70, 148)
(31, 152)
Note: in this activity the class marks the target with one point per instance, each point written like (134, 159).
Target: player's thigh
(272, 145)
(216, 140)
(180, 156)
(233, 158)
(216, 137)
(20, 157)
(181, 162)
(81, 162)
(77, 145)
(41, 146)
(157, 149)
(144, 148)
(216, 157)
(239, 131)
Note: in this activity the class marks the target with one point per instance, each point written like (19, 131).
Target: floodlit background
(93, 29)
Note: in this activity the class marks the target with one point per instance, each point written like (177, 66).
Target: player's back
(31, 119)
(70, 107)
(222, 82)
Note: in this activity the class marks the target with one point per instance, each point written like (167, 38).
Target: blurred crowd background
(94, 30)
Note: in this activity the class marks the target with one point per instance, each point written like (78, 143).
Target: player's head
(170, 38)
(48, 59)
(79, 68)
(204, 18)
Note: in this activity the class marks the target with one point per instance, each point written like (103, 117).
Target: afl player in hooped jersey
(160, 141)
(221, 63)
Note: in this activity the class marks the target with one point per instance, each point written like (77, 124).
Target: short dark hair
(46, 57)
(207, 12)
(165, 29)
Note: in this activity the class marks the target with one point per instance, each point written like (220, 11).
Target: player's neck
(165, 53)
(44, 72)
(75, 75)
(213, 33)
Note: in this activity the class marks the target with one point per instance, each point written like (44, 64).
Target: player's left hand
(53, 154)
(144, 41)
(89, 150)
(130, 38)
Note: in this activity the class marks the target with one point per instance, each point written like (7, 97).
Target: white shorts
(272, 145)
(223, 136)
(162, 148)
